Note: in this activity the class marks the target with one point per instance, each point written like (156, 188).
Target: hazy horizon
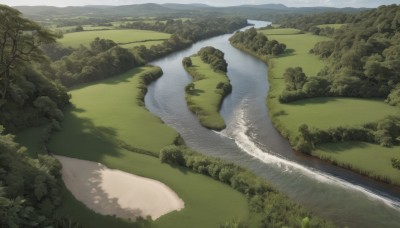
(289, 3)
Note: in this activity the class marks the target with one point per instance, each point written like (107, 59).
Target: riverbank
(325, 113)
(204, 97)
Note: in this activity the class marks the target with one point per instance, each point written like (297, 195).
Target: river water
(251, 141)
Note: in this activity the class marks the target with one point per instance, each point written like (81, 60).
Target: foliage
(275, 209)
(294, 78)
(214, 57)
(29, 187)
(187, 62)
(364, 60)
(257, 42)
(395, 163)
(363, 56)
(310, 23)
(25, 75)
(104, 59)
(385, 133)
(20, 39)
(192, 30)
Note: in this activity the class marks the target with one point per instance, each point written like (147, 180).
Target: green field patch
(106, 112)
(281, 31)
(111, 104)
(325, 113)
(371, 159)
(335, 26)
(122, 36)
(205, 99)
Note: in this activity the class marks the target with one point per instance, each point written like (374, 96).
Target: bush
(172, 155)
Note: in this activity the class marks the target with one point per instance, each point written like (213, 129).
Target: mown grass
(205, 100)
(281, 31)
(104, 113)
(335, 26)
(112, 104)
(122, 36)
(325, 112)
(370, 159)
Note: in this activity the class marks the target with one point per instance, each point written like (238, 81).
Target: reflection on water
(251, 141)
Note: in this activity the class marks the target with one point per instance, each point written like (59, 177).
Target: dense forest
(28, 95)
(363, 60)
(310, 23)
(29, 187)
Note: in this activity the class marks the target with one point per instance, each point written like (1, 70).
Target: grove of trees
(363, 59)
(214, 57)
(257, 42)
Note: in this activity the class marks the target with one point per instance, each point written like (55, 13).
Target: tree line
(310, 22)
(274, 209)
(257, 42)
(192, 30)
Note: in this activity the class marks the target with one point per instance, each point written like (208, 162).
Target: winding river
(251, 141)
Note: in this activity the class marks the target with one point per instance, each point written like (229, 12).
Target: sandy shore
(113, 192)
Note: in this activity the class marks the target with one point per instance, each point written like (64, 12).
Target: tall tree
(20, 39)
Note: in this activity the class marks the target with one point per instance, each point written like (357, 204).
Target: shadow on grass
(314, 101)
(341, 147)
(112, 80)
(80, 138)
(288, 52)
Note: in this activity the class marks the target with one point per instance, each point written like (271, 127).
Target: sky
(292, 3)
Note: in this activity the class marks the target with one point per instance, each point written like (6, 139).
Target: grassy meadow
(327, 113)
(122, 37)
(205, 100)
(370, 159)
(335, 26)
(105, 113)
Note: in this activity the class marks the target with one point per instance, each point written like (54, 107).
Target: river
(251, 141)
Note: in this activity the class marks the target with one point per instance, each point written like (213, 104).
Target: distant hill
(264, 11)
(193, 6)
(267, 6)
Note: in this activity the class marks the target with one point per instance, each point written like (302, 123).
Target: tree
(395, 163)
(294, 78)
(187, 62)
(20, 39)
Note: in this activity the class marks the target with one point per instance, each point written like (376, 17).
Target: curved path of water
(251, 141)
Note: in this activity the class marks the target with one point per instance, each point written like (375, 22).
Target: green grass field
(367, 157)
(123, 36)
(326, 113)
(105, 112)
(204, 100)
(335, 26)
(281, 31)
